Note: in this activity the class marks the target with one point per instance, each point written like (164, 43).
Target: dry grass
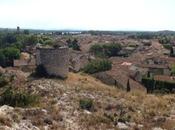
(4, 120)
(110, 105)
(141, 107)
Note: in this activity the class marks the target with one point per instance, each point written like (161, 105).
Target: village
(137, 58)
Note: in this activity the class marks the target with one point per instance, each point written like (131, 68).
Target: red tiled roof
(153, 66)
(164, 78)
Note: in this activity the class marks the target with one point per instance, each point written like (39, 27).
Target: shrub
(3, 81)
(73, 44)
(111, 49)
(17, 99)
(97, 66)
(167, 46)
(48, 42)
(86, 104)
(164, 40)
(97, 50)
(105, 50)
(173, 70)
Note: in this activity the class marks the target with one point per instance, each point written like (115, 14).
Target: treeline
(143, 35)
(11, 44)
(22, 40)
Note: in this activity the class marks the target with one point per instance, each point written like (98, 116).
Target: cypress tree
(128, 86)
(171, 52)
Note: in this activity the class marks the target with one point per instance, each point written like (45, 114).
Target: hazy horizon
(112, 15)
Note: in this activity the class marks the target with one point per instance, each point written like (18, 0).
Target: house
(55, 60)
(136, 73)
(154, 69)
(146, 42)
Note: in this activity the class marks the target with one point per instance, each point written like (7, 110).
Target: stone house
(136, 73)
(157, 69)
(54, 60)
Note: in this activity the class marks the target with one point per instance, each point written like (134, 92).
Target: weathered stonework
(54, 60)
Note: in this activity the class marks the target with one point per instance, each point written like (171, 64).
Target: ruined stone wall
(54, 60)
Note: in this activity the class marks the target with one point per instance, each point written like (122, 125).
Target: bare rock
(25, 125)
(157, 128)
(4, 110)
(122, 126)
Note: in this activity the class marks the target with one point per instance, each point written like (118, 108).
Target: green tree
(26, 32)
(97, 66)
(173, 70)
(2, 58)
(172, 52)
(32, 40)
(97, 50)
(105, 50)
(11, 53)
(128, 86)
(73, 44)
(111, 49)
(48, 42)
(9, 38)
(69, 43)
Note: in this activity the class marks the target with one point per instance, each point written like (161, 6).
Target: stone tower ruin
(54, 60)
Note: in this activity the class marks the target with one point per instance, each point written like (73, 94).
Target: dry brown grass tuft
(4, 120)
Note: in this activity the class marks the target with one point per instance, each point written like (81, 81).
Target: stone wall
(20, 63)
(54, 60)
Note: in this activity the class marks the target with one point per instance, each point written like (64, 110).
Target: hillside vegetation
(83, 102)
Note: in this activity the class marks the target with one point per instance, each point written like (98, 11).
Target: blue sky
(145, 15)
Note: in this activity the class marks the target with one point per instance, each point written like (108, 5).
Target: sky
(125, 15)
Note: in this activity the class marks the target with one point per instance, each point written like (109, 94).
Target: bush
(7, 55)
(86, 104)
(167, 46)
(73, 44)
(97, 66)
(3, 81)
(17, 99)
(48, 42)
(173, 70)
(31, 39)
(97, 50)
(165, 40)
